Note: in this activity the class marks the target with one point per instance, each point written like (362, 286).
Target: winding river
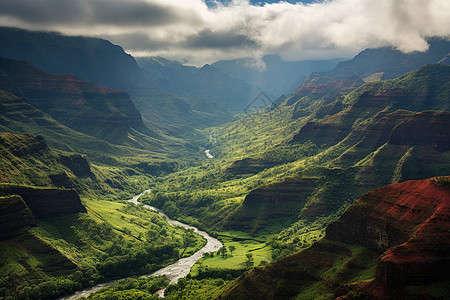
(208, 155)
(173, 272)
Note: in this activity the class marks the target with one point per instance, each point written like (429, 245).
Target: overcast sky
(196, 32)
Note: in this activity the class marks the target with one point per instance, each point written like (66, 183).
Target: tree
(249, 262)
(189, 240)
(231, 248)
(263, 263)
(222, 251)
(182, 283)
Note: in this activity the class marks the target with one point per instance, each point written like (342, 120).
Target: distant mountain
(92, 59)
(98, 61)
(424, 89)
(274, 76)
(371, 65)
(74, 115)
(86, 107)
(177, 116)
(232, 84)
(407, 220)
(207, 83)
(387, 62)
(375, 64)
(383, 132)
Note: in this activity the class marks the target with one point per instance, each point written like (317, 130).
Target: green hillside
(279, 180)
(74, 115)
(294, 176)
(54, 242)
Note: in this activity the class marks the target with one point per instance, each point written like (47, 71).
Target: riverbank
(173, 272)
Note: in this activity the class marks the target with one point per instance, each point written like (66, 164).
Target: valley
(336, 189)
(172, 272)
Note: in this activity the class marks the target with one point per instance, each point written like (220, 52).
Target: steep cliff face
(425, 256)
(380, 133)
(25, 159)
(77, 163)
(322, 133)
(410, 220)
(429, 128)
(18, 116)
(387, 216)
(22, 145)
(389, 147)
(14, 214)
(272, 206)
(407, 223)
(46, 202)
(332, 129)
(80, 105)
(249, 165)
(423, 89)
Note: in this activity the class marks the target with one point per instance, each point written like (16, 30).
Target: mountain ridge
(291, 276)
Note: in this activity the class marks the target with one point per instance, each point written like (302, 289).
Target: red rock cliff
(409, 220)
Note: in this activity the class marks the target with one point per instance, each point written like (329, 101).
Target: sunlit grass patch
(241, 244)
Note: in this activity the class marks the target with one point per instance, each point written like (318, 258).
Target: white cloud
(189, 31)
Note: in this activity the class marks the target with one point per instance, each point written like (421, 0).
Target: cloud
(84, 13)
(218, 40)
(193, 32)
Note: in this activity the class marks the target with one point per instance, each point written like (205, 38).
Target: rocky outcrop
(249, 165)
(402, 155)
(273, 205)
(430, 129)
(319, 89)
(46, 202)
(62, 180)
(77, 163)
(14, 214)
(407, 223)
(425, 256)
(410, 220)
(379, 134)
(420, 90)
(22, 145)
(333, 129)
(321, 133)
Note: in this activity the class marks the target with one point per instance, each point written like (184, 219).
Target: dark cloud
(133, 13)
(218, 39)
(205, 39)
(46, 11)
(96, 12)
(139, 41)
(192, 30)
